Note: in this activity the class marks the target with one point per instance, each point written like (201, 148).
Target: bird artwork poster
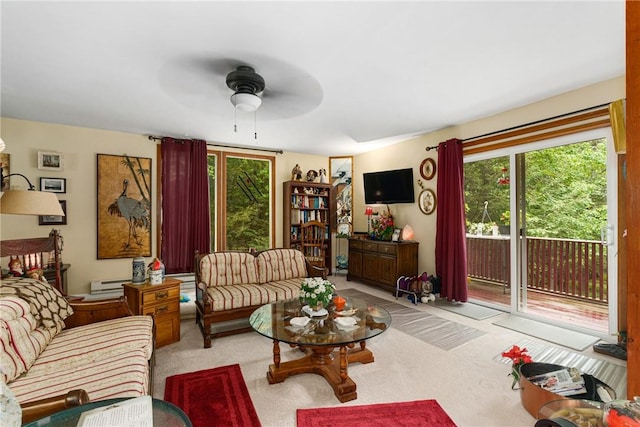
(124, 206)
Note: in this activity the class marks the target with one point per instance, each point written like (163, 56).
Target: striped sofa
(231, 285)
(43, 356)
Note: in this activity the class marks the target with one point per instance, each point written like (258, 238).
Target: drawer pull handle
(162, 309)
(386, 249)
(162, 295)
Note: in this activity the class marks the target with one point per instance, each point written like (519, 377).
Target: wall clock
(427, 201)
(428, 168)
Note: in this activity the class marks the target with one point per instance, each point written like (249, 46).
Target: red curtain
(451, 246)
(185, 203)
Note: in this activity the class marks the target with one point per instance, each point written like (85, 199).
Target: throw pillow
(48, 305)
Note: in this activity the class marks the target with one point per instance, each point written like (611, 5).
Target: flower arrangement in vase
(382, 227)
(316, 292)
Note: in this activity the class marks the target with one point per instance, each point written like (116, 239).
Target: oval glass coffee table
(329, 342)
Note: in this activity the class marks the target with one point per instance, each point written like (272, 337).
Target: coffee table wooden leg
(276, 353)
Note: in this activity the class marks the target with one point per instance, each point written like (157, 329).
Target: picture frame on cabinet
(48, 160)
(396, 235)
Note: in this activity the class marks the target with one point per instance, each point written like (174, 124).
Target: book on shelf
(565, 382)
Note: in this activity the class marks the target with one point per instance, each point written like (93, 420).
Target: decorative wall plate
(427, 201)
(428, 168)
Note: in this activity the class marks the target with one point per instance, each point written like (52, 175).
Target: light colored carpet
(470, 386)
(553, 334)
(467, 309)
(606, 371)
(429, 328)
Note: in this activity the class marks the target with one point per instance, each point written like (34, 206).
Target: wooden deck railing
(573, 268)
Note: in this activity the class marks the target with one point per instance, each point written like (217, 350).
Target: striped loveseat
(50, 346)
(231, 285)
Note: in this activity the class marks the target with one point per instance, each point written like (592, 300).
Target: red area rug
(416, 413)
(213, 397)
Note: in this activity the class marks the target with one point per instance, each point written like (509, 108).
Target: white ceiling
(342, 77)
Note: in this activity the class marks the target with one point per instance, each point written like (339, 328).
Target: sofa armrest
(41, 408)
(315, 271)
(87, 312)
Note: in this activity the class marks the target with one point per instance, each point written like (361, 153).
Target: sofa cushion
(238, 296)
(21, 340)
(92, 343)
(228, 268)
(284, 289)
(48, 305)
(122, 375)
(280, 264)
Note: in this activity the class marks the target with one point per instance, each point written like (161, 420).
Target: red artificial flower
(518, 356)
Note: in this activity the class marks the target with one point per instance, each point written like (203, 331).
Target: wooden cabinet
(160, 301)
(304, 202)
(381, 263)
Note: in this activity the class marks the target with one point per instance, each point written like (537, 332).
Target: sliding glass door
(550, 255)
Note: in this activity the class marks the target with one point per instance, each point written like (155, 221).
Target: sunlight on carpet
(416, 413)
(442, 333)
(610, 373)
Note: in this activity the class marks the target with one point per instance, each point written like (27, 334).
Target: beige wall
(79, 146)
(411, 153)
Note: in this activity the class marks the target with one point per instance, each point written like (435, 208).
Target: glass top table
(329, 342)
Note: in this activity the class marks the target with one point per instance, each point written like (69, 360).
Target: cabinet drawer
(159, 309)
(370, 247)
(160, 295)
(387, 249)
(355, 244)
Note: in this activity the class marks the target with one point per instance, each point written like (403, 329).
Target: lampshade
(23, 202)
(246, 101)
(368, 210)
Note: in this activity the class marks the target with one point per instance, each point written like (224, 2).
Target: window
(242, 201)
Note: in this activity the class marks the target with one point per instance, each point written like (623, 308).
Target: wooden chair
(312, 242)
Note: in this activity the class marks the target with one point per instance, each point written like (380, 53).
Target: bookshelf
(304, 202)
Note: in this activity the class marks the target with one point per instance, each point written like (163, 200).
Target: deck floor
(585, 314)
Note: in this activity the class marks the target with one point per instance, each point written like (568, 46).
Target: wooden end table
(160, 301)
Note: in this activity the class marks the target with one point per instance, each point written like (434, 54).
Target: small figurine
(312, 175)
(36, 273)
(15, 267)
(323, 176)
(296, 173)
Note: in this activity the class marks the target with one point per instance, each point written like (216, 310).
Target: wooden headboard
(32, 253)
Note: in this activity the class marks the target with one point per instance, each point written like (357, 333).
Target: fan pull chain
(235, 122)
(255, 126)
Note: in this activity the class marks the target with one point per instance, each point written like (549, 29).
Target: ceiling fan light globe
(247, 102)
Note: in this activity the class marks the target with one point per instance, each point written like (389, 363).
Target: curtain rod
(435, 147)
(268, 150)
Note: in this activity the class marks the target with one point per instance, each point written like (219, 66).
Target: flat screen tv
(387, 187)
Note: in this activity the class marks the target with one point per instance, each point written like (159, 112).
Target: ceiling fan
(205, 83)
(246, 85)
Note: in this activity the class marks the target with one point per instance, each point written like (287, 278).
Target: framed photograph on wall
(53, 185)
(55, 219)
(124, 206)
(4, 165)
(51, 161)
